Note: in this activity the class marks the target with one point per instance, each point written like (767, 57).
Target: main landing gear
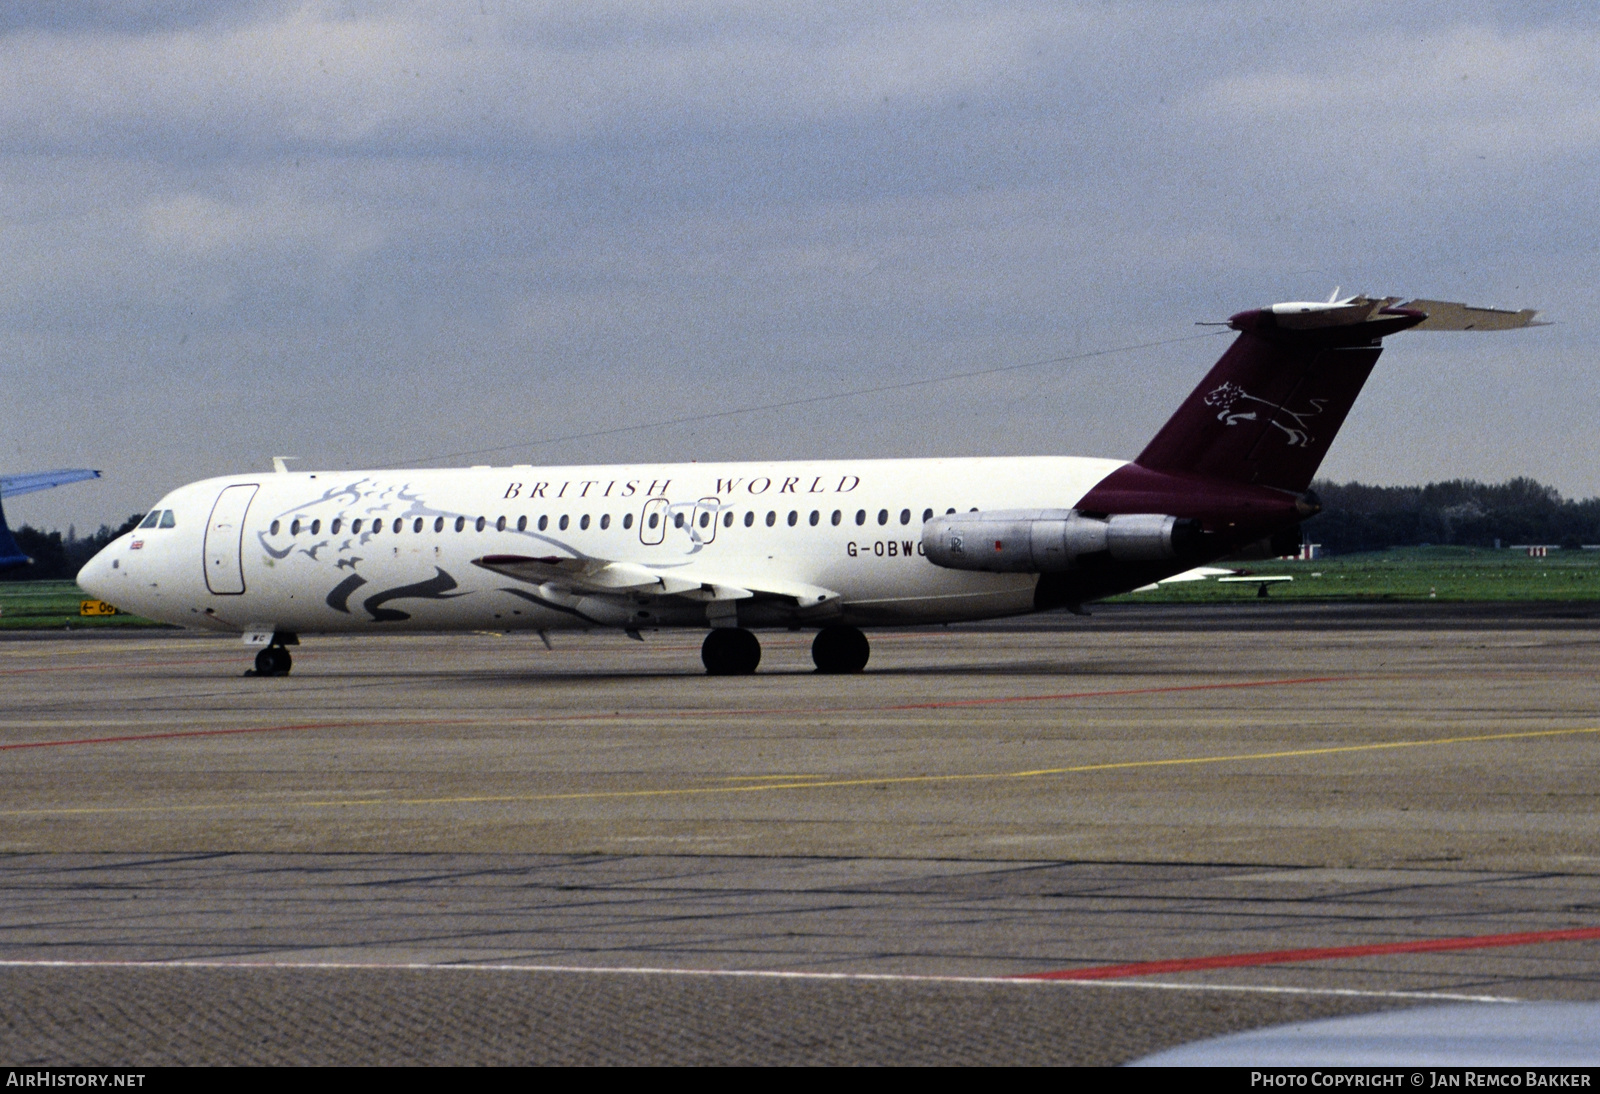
(730, 651)
(840, 650)
(274, 659)
(734, 651)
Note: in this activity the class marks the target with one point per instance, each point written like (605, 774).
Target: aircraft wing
(602, 577)
(13, 485)
(1199, 573)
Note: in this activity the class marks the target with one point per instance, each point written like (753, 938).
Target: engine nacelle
(1047, 541)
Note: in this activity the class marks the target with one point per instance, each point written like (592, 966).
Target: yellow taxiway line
(814, 783)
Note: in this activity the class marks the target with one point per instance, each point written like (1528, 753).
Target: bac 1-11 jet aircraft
(834, 545)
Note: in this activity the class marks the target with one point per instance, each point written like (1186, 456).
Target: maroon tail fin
(1269, 408)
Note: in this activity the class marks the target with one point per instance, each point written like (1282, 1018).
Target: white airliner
(834, 545)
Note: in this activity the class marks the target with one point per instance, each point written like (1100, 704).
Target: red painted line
(1325, 953)
(701, 713)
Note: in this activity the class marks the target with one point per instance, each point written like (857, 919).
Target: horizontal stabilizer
(1446, 315)
(1378, 314)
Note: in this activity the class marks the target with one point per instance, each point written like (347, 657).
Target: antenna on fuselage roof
(280, 464)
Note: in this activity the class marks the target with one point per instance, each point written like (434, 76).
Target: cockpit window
(152, 520)
(167, 520)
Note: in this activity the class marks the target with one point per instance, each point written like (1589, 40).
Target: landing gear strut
(730, 651)
(840, 650)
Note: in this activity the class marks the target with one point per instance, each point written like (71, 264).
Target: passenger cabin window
(334, 527)
(152, 520)
(627, 520)
(565, 520)
(274, 529)
(398, 524)
(837, 517)
(861, 516)
(377, 526)
(461, 523)
(167, 519)
(605, 521)
(316, 526)
(905, 516)
(705, 520)
(355, 527)
(500, 525)
(727, 520)
(772, 518)
(481, 523)
(677, 520)
(544, 522)
(815, 516)
(438, 524)
(654, 519)
(883, 516)
(794, 518)
(927, 515)
(522, 523)
(583, 522)
(749, 518)
(416, 526)
(294, 528)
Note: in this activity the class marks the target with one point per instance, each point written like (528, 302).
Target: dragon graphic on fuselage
(397, 507)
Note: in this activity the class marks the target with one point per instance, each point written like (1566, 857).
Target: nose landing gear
(274, 660)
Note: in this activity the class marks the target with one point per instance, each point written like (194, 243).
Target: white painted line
(754, 974)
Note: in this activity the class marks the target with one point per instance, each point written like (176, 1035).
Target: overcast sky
(380, 233)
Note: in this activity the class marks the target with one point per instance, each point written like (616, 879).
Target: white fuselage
(326, 551)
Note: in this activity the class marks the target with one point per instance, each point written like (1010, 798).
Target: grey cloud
(129, 16)
(428, 78)
(375, 232)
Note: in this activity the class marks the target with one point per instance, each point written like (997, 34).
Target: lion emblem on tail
(1228, 396)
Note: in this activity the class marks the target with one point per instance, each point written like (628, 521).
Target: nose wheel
(730, 651)
(273, 661)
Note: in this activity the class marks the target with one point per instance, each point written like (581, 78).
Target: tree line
(1461, 512)
(1354, 517)
(57, 557)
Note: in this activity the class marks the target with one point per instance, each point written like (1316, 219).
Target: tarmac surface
(473, 849)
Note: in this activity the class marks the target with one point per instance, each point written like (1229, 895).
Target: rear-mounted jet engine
(1049, 541)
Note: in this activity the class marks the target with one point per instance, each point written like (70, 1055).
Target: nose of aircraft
(95, 577)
